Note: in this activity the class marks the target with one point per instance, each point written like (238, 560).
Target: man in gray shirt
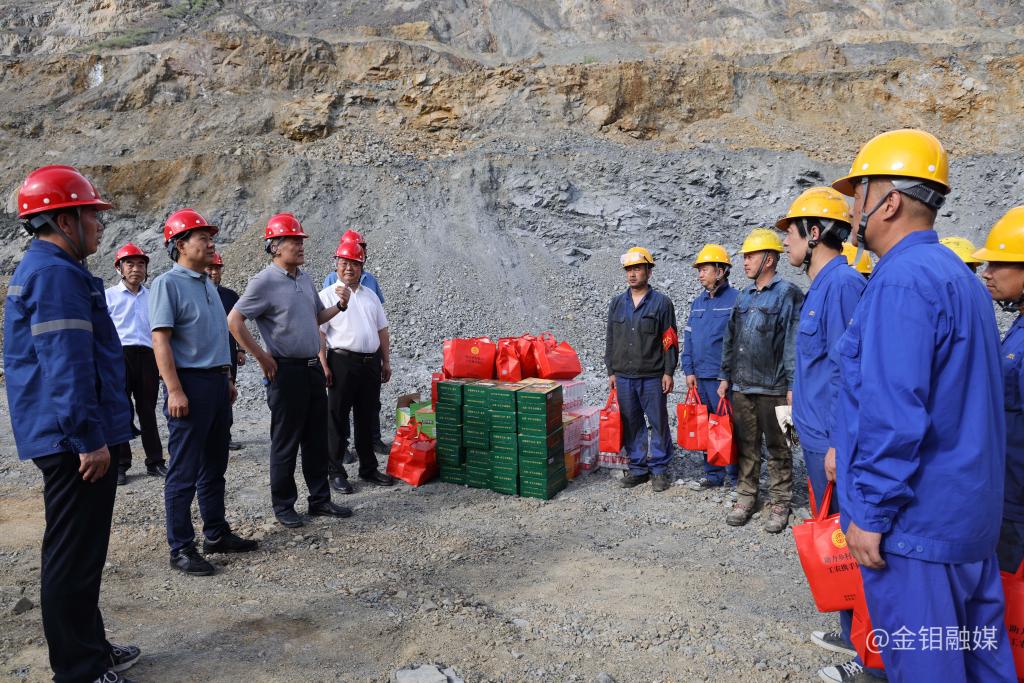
(283, 302)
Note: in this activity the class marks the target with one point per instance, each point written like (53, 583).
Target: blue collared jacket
(62, 358)
(920, 455)
(759, 350)
(826, 312)
(1013, 386)
(705, 331)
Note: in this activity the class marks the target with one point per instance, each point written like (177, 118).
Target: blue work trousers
(198, 445)
(939, 622)
(639, 397)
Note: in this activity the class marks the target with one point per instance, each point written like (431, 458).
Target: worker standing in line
(758, 364)
(190, 340)
(356, 357)
(228, 297)
(963, 248)
(65, 379)
(1004, 278)
(283, 302)
(128, 303)
(864, 265)
(641, 354)
(368, 281)
(702, 343)
(920, 456)
(817, 226)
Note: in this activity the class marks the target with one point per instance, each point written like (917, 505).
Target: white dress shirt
(356, 328)
(130, 313)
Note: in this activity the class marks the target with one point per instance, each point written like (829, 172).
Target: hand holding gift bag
(610, 435)
(832, 573)
(692, 430)
(721, 445)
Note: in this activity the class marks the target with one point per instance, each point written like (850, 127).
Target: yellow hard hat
(905, 153)
(762, 239)
(816, 202)
(635, 257)
(712, 253)
(864, 266)
(1005, 241)
(962, 247)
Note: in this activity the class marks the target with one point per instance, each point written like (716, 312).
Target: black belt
(216, 370)
(309, 362)
(137, 348)
(354, 355)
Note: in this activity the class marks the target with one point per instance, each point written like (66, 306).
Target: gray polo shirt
(187, 302)
(285, 310)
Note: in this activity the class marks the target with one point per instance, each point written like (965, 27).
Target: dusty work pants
(754, 416)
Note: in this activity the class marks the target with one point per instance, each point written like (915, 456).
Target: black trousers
(78, 515)
(298, 417)
(143, 386)
(357, 389)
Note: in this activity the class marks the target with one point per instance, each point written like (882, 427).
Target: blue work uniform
(367, 280)
(1011, 537)
(702, 355)
(920, 457)
(638, 356)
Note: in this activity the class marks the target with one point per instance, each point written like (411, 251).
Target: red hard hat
(283, 225)
(129, 250)
(353, 251)
(57, 187)
(183, 220)
(353, 236)
(217, 260)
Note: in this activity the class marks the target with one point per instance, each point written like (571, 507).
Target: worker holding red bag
(1004, 277)
(817, 225)
(920, 452)
(641, 354)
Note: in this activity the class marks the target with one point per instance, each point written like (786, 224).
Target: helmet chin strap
(760, 268)
(862, 228)
(77, 250)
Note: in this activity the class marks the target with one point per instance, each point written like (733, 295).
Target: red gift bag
(508, 364)
(527, 358)
(692, 430)
(832, 573)
(434, 379)
(721, 445)
(472, 357)
(610, 434)
(862, 633)
(555, 360)
(413, 457)
(1013, 588)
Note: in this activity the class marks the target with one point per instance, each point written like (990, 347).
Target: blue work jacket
(920, 455)
(635, 343)
(63, 361)
(705, 331)
(826, 312)
(1012, 357)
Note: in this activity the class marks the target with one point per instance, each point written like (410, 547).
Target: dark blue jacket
(634, 340)
(826, 312)
(705, 332)
(920, 457)
(1013, 387)
(62, 358)
(759, 350)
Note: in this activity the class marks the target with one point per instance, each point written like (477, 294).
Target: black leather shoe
(289, 518)
(628, 480)
(381, 447)
(330, 509)
(192, 563)
(379, 479)
(122, 477)
(122, 657)
(234, 446)
(341, 485)
(349, 457)
(157, 470)
(229, 543)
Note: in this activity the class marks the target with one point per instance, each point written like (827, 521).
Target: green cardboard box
(450, 391)
(504, 482)
(540, 399)
(544, 492)
(504, 421)
(476, 393)
(505, 442)
(448, 413)
(477, 416)
(537, 424)
(501, 459)
(502, 396)
(427, 421)
(533, 445)
(476, 437)
(453, 475)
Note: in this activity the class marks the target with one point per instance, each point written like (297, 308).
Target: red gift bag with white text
(555, 360)
(832, 574)
(1013, 588)
(610, 434)
(692, 429)
(472, 358)
(721, 445)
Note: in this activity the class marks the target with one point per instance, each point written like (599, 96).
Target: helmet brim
(985, 255)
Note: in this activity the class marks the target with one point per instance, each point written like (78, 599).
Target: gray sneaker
(833, 642)
(778, 519)
(848, 672)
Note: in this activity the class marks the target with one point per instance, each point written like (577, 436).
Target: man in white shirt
(356, 360)
(128, 304)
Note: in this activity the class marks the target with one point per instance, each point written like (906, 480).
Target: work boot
(229, 543)
(191, 562)
(832, 641)
(157, 470)
(629, 480)
(739, 515)
(659, 482)
(848, 672)
(122, 657)
(778, 519)
(703, 483)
